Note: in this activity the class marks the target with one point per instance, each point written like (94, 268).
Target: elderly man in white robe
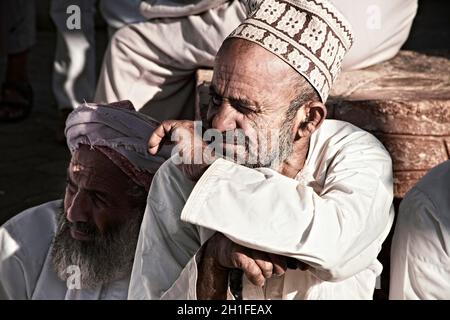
(420, 255)
(83, 247)
(301, 205)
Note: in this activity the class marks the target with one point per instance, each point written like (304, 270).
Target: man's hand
(257, 265)
(189, 145)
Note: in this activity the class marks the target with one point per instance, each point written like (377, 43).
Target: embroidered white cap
(312, 36)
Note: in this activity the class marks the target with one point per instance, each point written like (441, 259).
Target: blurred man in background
(74, 71)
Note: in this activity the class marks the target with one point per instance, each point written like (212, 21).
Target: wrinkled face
(250, 93)
(95, 199)
(100, 220)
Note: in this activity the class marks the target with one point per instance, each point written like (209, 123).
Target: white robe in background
(333, 216)
(157, 75)
(26, 270)
(420, 252)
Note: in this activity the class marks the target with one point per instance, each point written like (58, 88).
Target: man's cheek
(106, 220)
(251, 133)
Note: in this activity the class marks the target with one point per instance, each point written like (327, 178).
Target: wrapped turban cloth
(121, 134)
(312, 36)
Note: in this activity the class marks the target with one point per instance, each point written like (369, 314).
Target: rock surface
(405, 102)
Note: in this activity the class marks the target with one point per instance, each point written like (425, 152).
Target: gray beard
(104, 259)
(276, 157)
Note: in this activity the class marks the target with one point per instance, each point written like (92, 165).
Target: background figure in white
(74, 75)
(420, 254)
(380, 28)
(153, 63)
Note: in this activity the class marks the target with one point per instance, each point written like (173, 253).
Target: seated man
(82, 247)
(420, 254)
(311, 194)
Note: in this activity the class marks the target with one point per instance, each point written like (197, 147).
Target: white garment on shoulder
(380, 28)
(420, 253)
(154, 9)
(26, 270)
(334, 216)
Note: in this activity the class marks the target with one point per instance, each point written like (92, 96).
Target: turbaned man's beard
(103, 259)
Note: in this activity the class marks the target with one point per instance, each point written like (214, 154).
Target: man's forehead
(242, 54)
(88, 161)
(252, 74)
(236, 72)
(88, 158)
(243, 58)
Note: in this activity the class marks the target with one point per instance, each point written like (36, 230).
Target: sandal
(17, 101)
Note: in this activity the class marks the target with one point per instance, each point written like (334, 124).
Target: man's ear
(309, 118)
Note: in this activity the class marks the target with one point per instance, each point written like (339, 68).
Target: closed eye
(98, 198)
(241, 105)
(216, 100)
(242, 108)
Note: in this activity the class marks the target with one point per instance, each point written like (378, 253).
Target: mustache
(235, 137)
(65, 225)
(84, 227)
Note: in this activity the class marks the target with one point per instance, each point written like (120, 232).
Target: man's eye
(99, 199)
(216, 100)
(244, 109)
(98, 202)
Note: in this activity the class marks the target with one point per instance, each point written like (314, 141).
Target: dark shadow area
(382, 291)
(32, 163)
(431, 27)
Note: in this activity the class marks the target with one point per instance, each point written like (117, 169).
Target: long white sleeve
(337, 227)
(167, 247)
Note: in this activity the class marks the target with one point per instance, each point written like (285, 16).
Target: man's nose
(225, 118)
(79, 209)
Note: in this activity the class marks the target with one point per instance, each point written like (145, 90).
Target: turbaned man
(82, 246)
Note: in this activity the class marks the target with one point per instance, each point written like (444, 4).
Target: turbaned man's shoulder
(26, 238)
